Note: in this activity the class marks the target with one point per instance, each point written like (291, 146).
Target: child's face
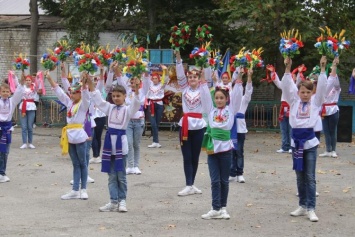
(28, 82)
(118, 98)
(75, 96)
(155, 80)
(220, 99)
(193, 80)
(5, 92)
(305, 94)
(225, 79)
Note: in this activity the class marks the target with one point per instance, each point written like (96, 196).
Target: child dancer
(7, 108)
(74, 136)
(28, 109)
(218, 144)
(238, 132)
(330, 114)
(136, 123)
(304, 111)
(115, 145)
(191, 124)
(155, 97)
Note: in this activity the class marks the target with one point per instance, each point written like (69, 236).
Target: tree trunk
(34, 35)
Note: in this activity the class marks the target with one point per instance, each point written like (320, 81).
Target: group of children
(221, 135)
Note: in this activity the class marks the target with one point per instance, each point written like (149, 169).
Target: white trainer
(312, 216)
(212, 214)
(188, 190)
(71, 195)
(137, 171)
(90, 180)
(154, 145)
(300, 211)
(109, 207)
(240, 179)
(7, 179)
(325, 154)
(24, 146)
(95, 160)
(290, 151)
(281, 151)
(334, 154)
(31, 146)
(225, 214)
(84, 194)
(196, 190)
(122, 206)
(233, 179)
(2, 179)
(130, 171)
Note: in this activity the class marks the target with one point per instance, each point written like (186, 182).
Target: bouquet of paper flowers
(119, 55)
(62, 50)
(49, 61)
(331, 45)
(137, 62)
(104, 56)
(215, 61)
(290, 43)
(203, 33)
(21, 62)
(239, 59)
(180, 35)
(201, 55)
(86, 61)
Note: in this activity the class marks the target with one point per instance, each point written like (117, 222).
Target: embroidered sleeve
(62, 96)
(206, 98)
(320, 95)
(180, 73)
(100, 103)
(288, 88)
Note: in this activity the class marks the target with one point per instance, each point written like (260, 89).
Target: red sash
(284, 105)
(24, 105)
(324, 111)
(152, 109)
(185, 124)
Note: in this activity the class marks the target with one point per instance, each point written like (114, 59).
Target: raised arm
(322, 80)
(206, 98)
(180, 73)
(62, 96)
(17, 96)
(237, 93)
(287, 85)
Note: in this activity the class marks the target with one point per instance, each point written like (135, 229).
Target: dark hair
(224, 90)
(307, 84)
(119, 88)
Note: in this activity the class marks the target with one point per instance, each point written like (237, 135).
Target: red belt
(185, 124)
(324, 111)
(284, 105)
(24, 105)
(152, 109)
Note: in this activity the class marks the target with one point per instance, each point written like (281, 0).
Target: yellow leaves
(294, 33)
(341, 34)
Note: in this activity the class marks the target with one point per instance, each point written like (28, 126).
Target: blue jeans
(96, 138)
(191, 150)
(330, 124)
(155, 120)
(134, 133)
(117, 182)
(306, 179)
(285, 133)
(219, 166)
(27, 126)
(3, 160)
(77, 154)
(237, 167)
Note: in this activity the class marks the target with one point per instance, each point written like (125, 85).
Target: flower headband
(194, 72)
(75, 88)
(222, 88)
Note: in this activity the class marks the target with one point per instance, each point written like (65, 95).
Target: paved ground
(30, 204)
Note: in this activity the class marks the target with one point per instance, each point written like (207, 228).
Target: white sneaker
(325, 154)
(300, 211)
(34, 126)
(240, 179)
(154, 145)
(233, 179)
(2, 179)
(31, 146)
(95, 160)
(137, 170)
(90, 180)
(122, 206)
(290, 151)
(109, 207)
(334, 154)
(225, 214)
(281, 151)
(212, 214)
(130, 171)
(24, 146)
(71, 195)
(312, 216)
(196, 190)
(7, 179)
(188, 190)
(84, 194)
